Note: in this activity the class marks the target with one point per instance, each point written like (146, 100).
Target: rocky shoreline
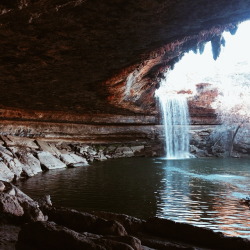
(35, 225)
(28, 224)
(22, 157)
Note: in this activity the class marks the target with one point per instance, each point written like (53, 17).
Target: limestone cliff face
(101, 56)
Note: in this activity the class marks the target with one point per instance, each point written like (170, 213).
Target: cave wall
(97, 63)
(76, 56)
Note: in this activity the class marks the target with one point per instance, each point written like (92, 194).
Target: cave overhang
(100, 57)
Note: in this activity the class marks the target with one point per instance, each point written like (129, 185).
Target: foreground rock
(8, 236)
(85, 222)
(17, 206)
(48, 235)
(193, 235)
(154, 233)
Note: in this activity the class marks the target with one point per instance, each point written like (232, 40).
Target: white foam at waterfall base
(176, 125)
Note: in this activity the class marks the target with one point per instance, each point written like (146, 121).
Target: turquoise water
(202, 192)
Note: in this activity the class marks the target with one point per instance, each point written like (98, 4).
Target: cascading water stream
(176, 124)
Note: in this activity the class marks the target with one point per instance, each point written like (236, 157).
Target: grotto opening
(78, 81)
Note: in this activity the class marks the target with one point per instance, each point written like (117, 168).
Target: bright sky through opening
(230, 72)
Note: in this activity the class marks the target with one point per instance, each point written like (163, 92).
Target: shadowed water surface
(202, 192)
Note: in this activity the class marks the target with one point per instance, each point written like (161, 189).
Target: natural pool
(202, 192)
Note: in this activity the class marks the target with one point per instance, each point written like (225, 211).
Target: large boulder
(14, 164)
(130, 223)
(48, 147)
(123, 152)
(73, 160)
(31, 165)
(49, 161)
(81, 222)
(10, 206)
(14, 203)
(5, 172)
(5, 150)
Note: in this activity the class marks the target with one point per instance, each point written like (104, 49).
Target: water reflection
(201, 192)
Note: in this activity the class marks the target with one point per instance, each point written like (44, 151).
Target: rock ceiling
(78, 56)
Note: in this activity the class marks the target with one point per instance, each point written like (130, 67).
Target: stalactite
(223, 41)
(174, 61)
(216, 46)
(233, 29)
(201, 48)
(195, 49)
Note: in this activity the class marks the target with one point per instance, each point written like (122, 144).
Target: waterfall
(176, 124)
